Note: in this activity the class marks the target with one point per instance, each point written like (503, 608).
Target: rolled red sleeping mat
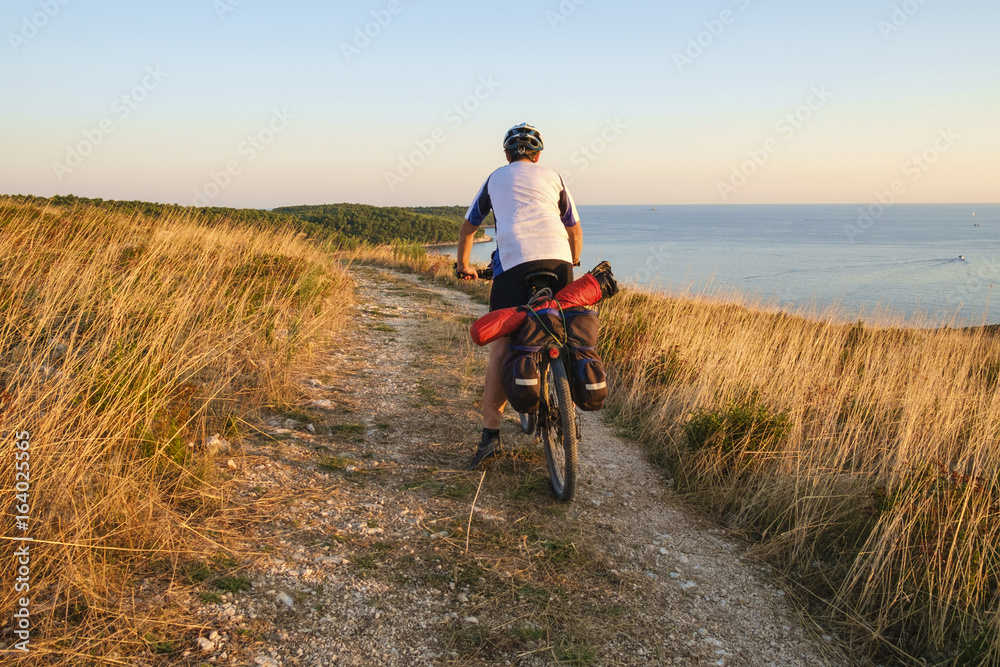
(585, 291)
(496, 324)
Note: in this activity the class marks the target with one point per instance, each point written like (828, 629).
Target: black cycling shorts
(509, 289)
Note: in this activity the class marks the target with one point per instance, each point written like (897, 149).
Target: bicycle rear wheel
(559, 430)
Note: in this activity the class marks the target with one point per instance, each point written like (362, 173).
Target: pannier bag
(581, 327)
(542, 326)
(521, 367)
(588, 381)
(522, 378)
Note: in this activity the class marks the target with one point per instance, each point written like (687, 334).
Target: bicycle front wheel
(559, 430)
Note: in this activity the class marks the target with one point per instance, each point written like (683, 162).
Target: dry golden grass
(121, 342)
(863, 459)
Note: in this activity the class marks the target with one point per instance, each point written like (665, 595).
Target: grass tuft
(334, 463)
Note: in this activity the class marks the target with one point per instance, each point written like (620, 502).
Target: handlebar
(482, 274)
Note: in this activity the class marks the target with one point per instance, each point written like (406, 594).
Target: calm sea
(917, 262)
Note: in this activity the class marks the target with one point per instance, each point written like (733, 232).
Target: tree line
(343, 225)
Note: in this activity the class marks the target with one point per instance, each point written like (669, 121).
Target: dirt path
(358, 506)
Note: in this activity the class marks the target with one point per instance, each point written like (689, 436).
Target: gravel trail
(354, 508)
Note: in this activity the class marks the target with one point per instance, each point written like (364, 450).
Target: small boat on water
(654, 208)
(961, 257)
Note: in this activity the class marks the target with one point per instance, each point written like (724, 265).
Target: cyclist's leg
(507, 290)
(494, 398)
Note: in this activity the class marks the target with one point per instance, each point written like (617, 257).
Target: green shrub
(746, 426)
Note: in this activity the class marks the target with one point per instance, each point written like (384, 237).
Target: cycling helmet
(523, 139)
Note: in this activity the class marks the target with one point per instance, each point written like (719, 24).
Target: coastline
(482, 239)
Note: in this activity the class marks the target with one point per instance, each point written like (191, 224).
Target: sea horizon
(906, 264)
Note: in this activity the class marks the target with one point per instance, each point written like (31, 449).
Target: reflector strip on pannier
(599, 385)
(529, 382)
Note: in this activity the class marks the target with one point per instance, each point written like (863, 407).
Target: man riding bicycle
(537, 228)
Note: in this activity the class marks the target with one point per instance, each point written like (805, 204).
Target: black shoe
(609, 286)
(489, 447)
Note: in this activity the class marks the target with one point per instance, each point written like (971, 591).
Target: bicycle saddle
(540, 278)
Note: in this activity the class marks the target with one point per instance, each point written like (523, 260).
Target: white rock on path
(217, 445)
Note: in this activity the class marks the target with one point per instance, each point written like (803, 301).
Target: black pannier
(581, 327)
(588, 381)
(522, 380)
(543, 326)
(521, 367)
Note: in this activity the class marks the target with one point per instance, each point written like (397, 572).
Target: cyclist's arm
(575, 241)
(465, 248)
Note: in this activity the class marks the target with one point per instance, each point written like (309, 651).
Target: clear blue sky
(264, 104)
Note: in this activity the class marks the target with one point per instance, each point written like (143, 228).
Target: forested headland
(379, 224)
(343, 225)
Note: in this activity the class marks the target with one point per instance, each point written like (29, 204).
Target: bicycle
(556, 418)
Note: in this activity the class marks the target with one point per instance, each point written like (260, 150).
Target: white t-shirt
(533, 208)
